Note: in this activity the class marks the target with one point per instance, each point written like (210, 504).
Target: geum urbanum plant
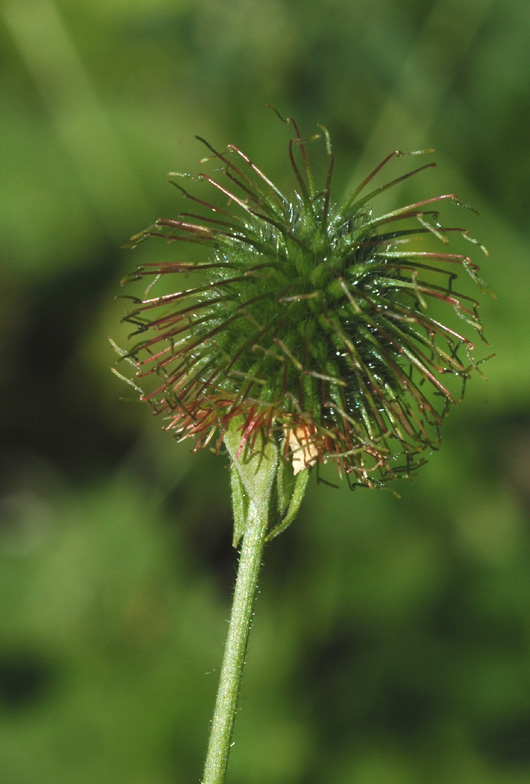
(306, 339)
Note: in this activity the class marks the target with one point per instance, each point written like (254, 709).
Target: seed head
(309, 321)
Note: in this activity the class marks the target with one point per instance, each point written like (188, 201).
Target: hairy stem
(236, 644)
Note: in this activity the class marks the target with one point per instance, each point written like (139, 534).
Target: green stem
(236, 644)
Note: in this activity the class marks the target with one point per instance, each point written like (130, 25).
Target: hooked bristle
(309, 319)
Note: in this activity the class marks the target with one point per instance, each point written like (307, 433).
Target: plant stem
(236, 644)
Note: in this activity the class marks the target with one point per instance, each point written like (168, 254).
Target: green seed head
(309, 321)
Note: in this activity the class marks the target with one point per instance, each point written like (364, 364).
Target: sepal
(253, 473)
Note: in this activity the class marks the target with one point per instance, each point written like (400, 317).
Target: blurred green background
(392, 637)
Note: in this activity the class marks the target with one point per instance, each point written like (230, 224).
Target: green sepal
(296, 498)
(259, 477)
(253, 473)
(239, 505)
(284, 486)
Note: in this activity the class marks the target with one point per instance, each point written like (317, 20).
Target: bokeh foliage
(392, 637)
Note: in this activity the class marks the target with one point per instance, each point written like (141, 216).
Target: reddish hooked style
(315, 323)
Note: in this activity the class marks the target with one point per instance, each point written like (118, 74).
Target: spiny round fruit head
(309, 321)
